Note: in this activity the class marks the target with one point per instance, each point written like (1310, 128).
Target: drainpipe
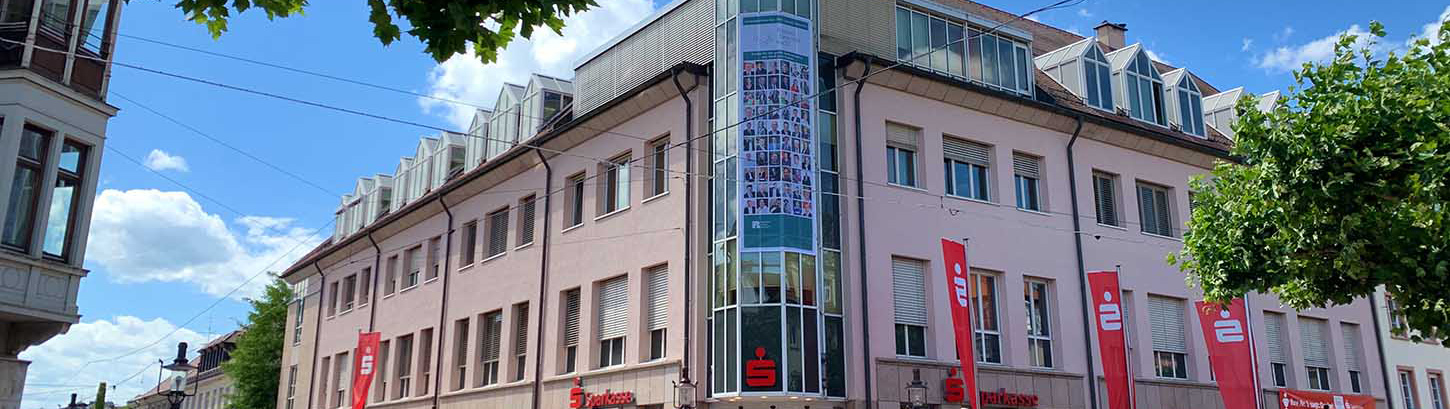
(1380, 342)
(317, 331)
(861, 227)
(543, 279)
(689, 217)
(1087, 320)
(377, 258)
(442, 332)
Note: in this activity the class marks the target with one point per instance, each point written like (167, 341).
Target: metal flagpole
(1127, 358)
(1254, 353)
(974, 288)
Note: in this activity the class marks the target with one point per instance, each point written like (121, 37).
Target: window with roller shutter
(1353, 356)
(909, 299)
(498, 233)
(1027, 171)
(1105, 195)
(1154, 211)
(966, 165)
(521, 339)
(527, 214)
(901, 149)
(1166, 318)
(1313, 339)
(613, 314)
(570, 338)
(657, 309)
(1278, 356)
(490, 328)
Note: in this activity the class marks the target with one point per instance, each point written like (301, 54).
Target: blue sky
(159, 253)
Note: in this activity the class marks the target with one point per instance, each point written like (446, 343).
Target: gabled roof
(364, 185)
(384, 181)
(403, 165)
(450, 138)
(346, 199)
(1120, 58)
(1172, 78)
(426, 146)
(1222, 100)
(1268, 101)
(540, 81)
(480, 119)
(1067, 53)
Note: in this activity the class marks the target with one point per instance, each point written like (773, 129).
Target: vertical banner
(1296, 399)
(958, 275)
(1230, 351)
(1112, 342)
(363, 368)
(777, 145)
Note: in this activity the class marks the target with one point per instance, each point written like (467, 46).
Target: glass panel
(770, 5)
(812, 359)
(808, 280)
(93, 21)
(974, 54)
(1134, 97)
(938, 44)
(750, 278)
(835, 357)
(24, 186)
(55, 15)
(980, 182)
(788, 6)
(831, 279)
(59, 224)
(989, 59)
(1005, 62)
(732, 350)
(1023, 72)
(717, 352)
(956, 50)
(760, 337)
(827, 136)
(17, 11)
(33, 144)
(792, 278)
(1106, 85)
(795, 371)
(770, 276)
(920, 38)
(1090, 83)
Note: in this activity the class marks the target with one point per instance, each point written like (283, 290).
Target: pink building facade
(605, 249)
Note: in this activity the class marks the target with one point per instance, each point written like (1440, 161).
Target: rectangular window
(1026, 174)
(460, 354)
(333, 299)
(1278, 357)
(1353, 361)
(930, 42)
(380, 392)
(1399, 327)
(1437, 391)
(291, 386)
(404, 367)
(490, 334)
(1313, 338)
(1154, 211)
(613, 314)
(1170, 344)
(498, 233)
(908, 290)
(341, 377)
(298, 319)
(365, 286)
(435, 248)
(1408, 391)
(570, 339)
(1105, 195)
(575, 184)
(657, 304)
(64, 199)
(25, 187)
(988, 335)
(390, 283)
(349, 292)
(614, 185)
(526, 220)
(521, 339)
(659, 167)
(1037, 296)
(413, 267)
(901, 142)
(425, 362)
(470, 242)
(966, 166)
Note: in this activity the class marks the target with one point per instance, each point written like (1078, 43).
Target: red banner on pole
(1112, 344)
(959, 277)
(363, 368)
(1295, 399)
(1230, 351)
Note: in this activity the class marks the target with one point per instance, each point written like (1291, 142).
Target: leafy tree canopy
(256, 363)
(446, 27)
(1342, 187)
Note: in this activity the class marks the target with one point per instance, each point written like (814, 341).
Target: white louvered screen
(1274, 331)
(967, 151)
(909, 291)
(1028, 166)
(571, 318)
(1312, 335)
(492, 326)
(1165, 315)
(902, 135)
(1107, 201)
(613, 309)
(1352, 347)
(521, 329)
(658, 290)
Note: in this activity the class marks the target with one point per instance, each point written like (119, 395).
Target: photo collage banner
(777, 172)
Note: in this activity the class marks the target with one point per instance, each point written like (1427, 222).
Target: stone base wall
(12, 382)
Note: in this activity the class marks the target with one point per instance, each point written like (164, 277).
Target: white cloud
(1290, 58)
(59, 366)
(150, 235)
(464, 78)
(158, 160)
(1431, 30)
(1283, 35)
(1248, 43)
(1157, 57)
(1084, 13)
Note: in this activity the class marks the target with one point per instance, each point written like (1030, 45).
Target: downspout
(373, 294)
(1087, 327)
(317, 331)
(861, 227)
(689, 217)
(1380, 342)
(543, 280)
(443, 308)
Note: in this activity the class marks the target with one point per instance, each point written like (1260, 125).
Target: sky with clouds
(182, 221)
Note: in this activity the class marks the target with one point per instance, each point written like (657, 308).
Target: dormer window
(1183, 94)
(1142, 85)
(1096, 74)
(1082, 68)
(954, 48)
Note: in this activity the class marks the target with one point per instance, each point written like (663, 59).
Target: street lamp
(685, 393)
(179, 368)
(916, 391)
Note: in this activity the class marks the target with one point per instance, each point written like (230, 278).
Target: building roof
(1064, 54)
(1222, 100)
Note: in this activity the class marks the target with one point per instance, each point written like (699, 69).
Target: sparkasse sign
(579, 399)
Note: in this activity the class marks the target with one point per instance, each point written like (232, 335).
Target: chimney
(1113, 35)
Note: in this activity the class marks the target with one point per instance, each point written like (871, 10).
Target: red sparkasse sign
(958, 275)
(1112, 344)
(1297, 399)
(363, 367)
(1230, 350)
(579, 399)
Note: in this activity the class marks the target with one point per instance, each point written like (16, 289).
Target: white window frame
(490, 336)
(975, 184)
(1093, 60)
(614, 185)
(1437, 390)
(1147, 112)
(497, 226)
(979, 331)
(1039, 329)
(412, 267)
(659, 156)
(1407, 388)
(1194, 123)
(1318, 378)
(1168, 220)
(1026, 186)
(894, 169)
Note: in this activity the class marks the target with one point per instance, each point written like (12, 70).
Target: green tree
(446, 27)
(1342, 187)
(256, 363)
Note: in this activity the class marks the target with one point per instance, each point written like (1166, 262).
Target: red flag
(958, 278)
(1294, 399)
(363, 368)
(1230, 351)
(1112, 344)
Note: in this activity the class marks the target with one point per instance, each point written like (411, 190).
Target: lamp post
(685, 393)
(916, 391)
(179, 368)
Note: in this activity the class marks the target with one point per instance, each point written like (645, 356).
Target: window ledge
(652, 198)
(493, 257)
(611, 214)
(390, 295)
(464, 268)
(408, 288)
(973, 200)
(1030, 211)
(1113, 227)
(1161, 236)
(523, 246)
(431, 280)
(909, 187)
(571, 228)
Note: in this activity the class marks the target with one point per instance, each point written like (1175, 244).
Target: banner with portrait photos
(777, 145)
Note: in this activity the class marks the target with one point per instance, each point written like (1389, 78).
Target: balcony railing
(66, 41)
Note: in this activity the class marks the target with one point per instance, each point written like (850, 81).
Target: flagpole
(1127, 358)
(973, 288)
(1254, 353)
